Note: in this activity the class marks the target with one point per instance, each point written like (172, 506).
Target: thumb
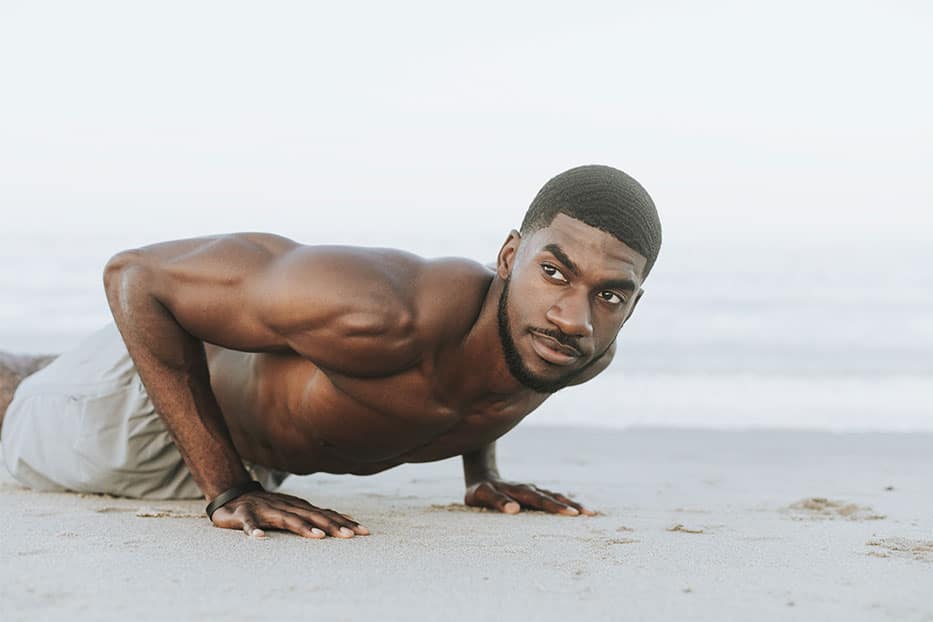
(251, 525)
(485, 495)
(237, 516)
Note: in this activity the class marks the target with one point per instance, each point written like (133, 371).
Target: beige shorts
(85, 423)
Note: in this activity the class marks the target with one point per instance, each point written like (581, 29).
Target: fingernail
(362, 530)
(346, 532)
(317, 531)
(511, 508)
(571, 511)
(257, 533)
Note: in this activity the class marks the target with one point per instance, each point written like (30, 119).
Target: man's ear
(507, 254)
(634, 304)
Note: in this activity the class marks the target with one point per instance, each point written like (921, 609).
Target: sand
(694, 525)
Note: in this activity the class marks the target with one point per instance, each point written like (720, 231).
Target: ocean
(785, 334)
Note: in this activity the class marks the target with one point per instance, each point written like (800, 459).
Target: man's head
(573, 276)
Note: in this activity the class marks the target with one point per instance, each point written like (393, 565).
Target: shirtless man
(250, 356)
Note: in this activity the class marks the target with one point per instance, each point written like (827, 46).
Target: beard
(513, 359)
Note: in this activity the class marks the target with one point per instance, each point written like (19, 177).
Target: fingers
(485, 495)
(305, 509)
(287, 521)
(547, 500)
(262, 511)
(510, 498)
(328, 521)
(253, 519)
(540, 500)
(570, 502)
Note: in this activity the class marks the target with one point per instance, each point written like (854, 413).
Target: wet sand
(694, 525)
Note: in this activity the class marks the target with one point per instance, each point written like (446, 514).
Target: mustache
(560, 337)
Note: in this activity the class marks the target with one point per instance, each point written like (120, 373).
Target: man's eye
(552, 272)
(611, 297)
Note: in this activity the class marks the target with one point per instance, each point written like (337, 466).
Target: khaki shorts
(85, 423)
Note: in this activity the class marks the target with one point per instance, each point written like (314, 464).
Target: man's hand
(510, 498)
(260, 510)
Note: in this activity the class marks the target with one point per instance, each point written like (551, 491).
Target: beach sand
(716, 525)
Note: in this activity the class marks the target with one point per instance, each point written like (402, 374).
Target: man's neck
(481, 370)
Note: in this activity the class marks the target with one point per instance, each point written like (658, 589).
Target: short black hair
(602, 197)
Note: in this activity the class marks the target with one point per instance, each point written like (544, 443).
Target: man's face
(568, 289)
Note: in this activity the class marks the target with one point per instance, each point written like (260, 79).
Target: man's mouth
(552, 350)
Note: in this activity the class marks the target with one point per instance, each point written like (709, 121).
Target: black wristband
(230, 494)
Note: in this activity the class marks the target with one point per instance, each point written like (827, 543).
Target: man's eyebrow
(558, 252)
(623, 284)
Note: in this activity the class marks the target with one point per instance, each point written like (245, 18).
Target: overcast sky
(335, 121)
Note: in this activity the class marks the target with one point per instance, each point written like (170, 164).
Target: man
(246, 357)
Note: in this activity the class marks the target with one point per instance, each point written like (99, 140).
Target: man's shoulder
(422, 284)
(385, 291)
(448, 295)
(364, 311)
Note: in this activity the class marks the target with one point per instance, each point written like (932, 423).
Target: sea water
(827, 335)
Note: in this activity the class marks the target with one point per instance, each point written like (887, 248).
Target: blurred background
(788, 146)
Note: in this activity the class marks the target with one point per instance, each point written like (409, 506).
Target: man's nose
(571, 314)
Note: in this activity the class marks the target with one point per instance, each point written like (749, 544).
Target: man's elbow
(118, 263)
(117, 270)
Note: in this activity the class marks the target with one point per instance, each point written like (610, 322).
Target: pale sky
(351, 121)
(788, 146)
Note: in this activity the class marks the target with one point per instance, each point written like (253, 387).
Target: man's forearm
(173, 368)
(480, 465)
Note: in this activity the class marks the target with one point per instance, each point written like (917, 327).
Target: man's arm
(346, 309)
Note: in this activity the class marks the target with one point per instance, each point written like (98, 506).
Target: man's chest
(282, 409)
(409, 417)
